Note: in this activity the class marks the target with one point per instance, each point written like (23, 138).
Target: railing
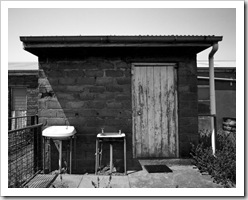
(22, 121)
(24, 152)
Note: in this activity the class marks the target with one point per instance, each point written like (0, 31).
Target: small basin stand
(110, 137)
(60, 151)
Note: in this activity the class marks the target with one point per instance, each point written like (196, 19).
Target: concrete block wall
(187, 105)
(89, 94)
(95, 92)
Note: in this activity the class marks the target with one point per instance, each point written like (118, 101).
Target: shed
(22, 92)
(144, 85)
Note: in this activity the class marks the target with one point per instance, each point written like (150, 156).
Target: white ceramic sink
(110, 135)
(59, 132)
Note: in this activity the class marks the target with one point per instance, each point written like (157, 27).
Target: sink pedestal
(110, 138)
(59, 144)
(60, 133)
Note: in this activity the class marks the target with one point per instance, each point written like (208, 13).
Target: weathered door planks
(155, 111)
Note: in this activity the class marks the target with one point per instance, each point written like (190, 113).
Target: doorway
(155, 117)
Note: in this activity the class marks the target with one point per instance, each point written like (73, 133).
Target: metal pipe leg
(111, 157)
(44, 154)
(97, 159)
(60, 155)
(70, 154)
(75, 150)
(125, 157)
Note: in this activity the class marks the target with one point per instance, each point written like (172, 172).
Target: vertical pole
(32, 120)
(111, 157)
(212, 94)
(36, 119)
(125, 157)
(39, 147)
(35, 147)
(9, 124)
(212, 104)
(96, 167)
(215, 128)
(60, 155)
(44, 154)
(75, 150)
(9, 108)
(49, 159)
(70, 153)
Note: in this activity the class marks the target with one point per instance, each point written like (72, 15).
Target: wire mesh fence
(24, 154)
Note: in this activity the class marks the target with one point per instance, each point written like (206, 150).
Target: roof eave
(92, 45)
(123, 41)
(37, 44)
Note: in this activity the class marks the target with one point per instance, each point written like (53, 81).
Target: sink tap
(102, 130)
(120, 132)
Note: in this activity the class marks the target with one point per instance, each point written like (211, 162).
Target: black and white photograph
(141, 97)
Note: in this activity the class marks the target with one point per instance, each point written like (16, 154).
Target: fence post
(39, 146)
(9, 127)
(36, 119)
(32, 120)
(35, 148)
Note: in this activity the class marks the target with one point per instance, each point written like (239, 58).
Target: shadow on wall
(90, 95)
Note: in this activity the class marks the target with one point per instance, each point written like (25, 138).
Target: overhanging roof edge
(120, 40)
(98, 45)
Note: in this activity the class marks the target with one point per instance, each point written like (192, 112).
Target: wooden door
(154, 101)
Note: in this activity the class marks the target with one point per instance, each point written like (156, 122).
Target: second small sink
(110, 135)
(59, 132)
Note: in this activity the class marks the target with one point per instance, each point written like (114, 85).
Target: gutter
(120, 39)
(212, 95)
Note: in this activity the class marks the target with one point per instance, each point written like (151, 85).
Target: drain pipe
(212, 96)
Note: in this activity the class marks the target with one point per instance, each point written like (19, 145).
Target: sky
(122, 21)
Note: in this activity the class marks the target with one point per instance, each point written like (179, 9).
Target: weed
(222, 166)
(97, 184)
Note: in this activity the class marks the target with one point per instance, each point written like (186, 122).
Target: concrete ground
(183, 175)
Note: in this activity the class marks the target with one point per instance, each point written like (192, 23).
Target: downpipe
(212, 96)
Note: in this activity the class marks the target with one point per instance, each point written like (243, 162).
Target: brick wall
(95, 92)
(187, 106)
(90, 95)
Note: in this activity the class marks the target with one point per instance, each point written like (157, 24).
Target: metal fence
(21, 121)
(24, 153)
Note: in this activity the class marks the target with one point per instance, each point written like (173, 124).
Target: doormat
(157, 168)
